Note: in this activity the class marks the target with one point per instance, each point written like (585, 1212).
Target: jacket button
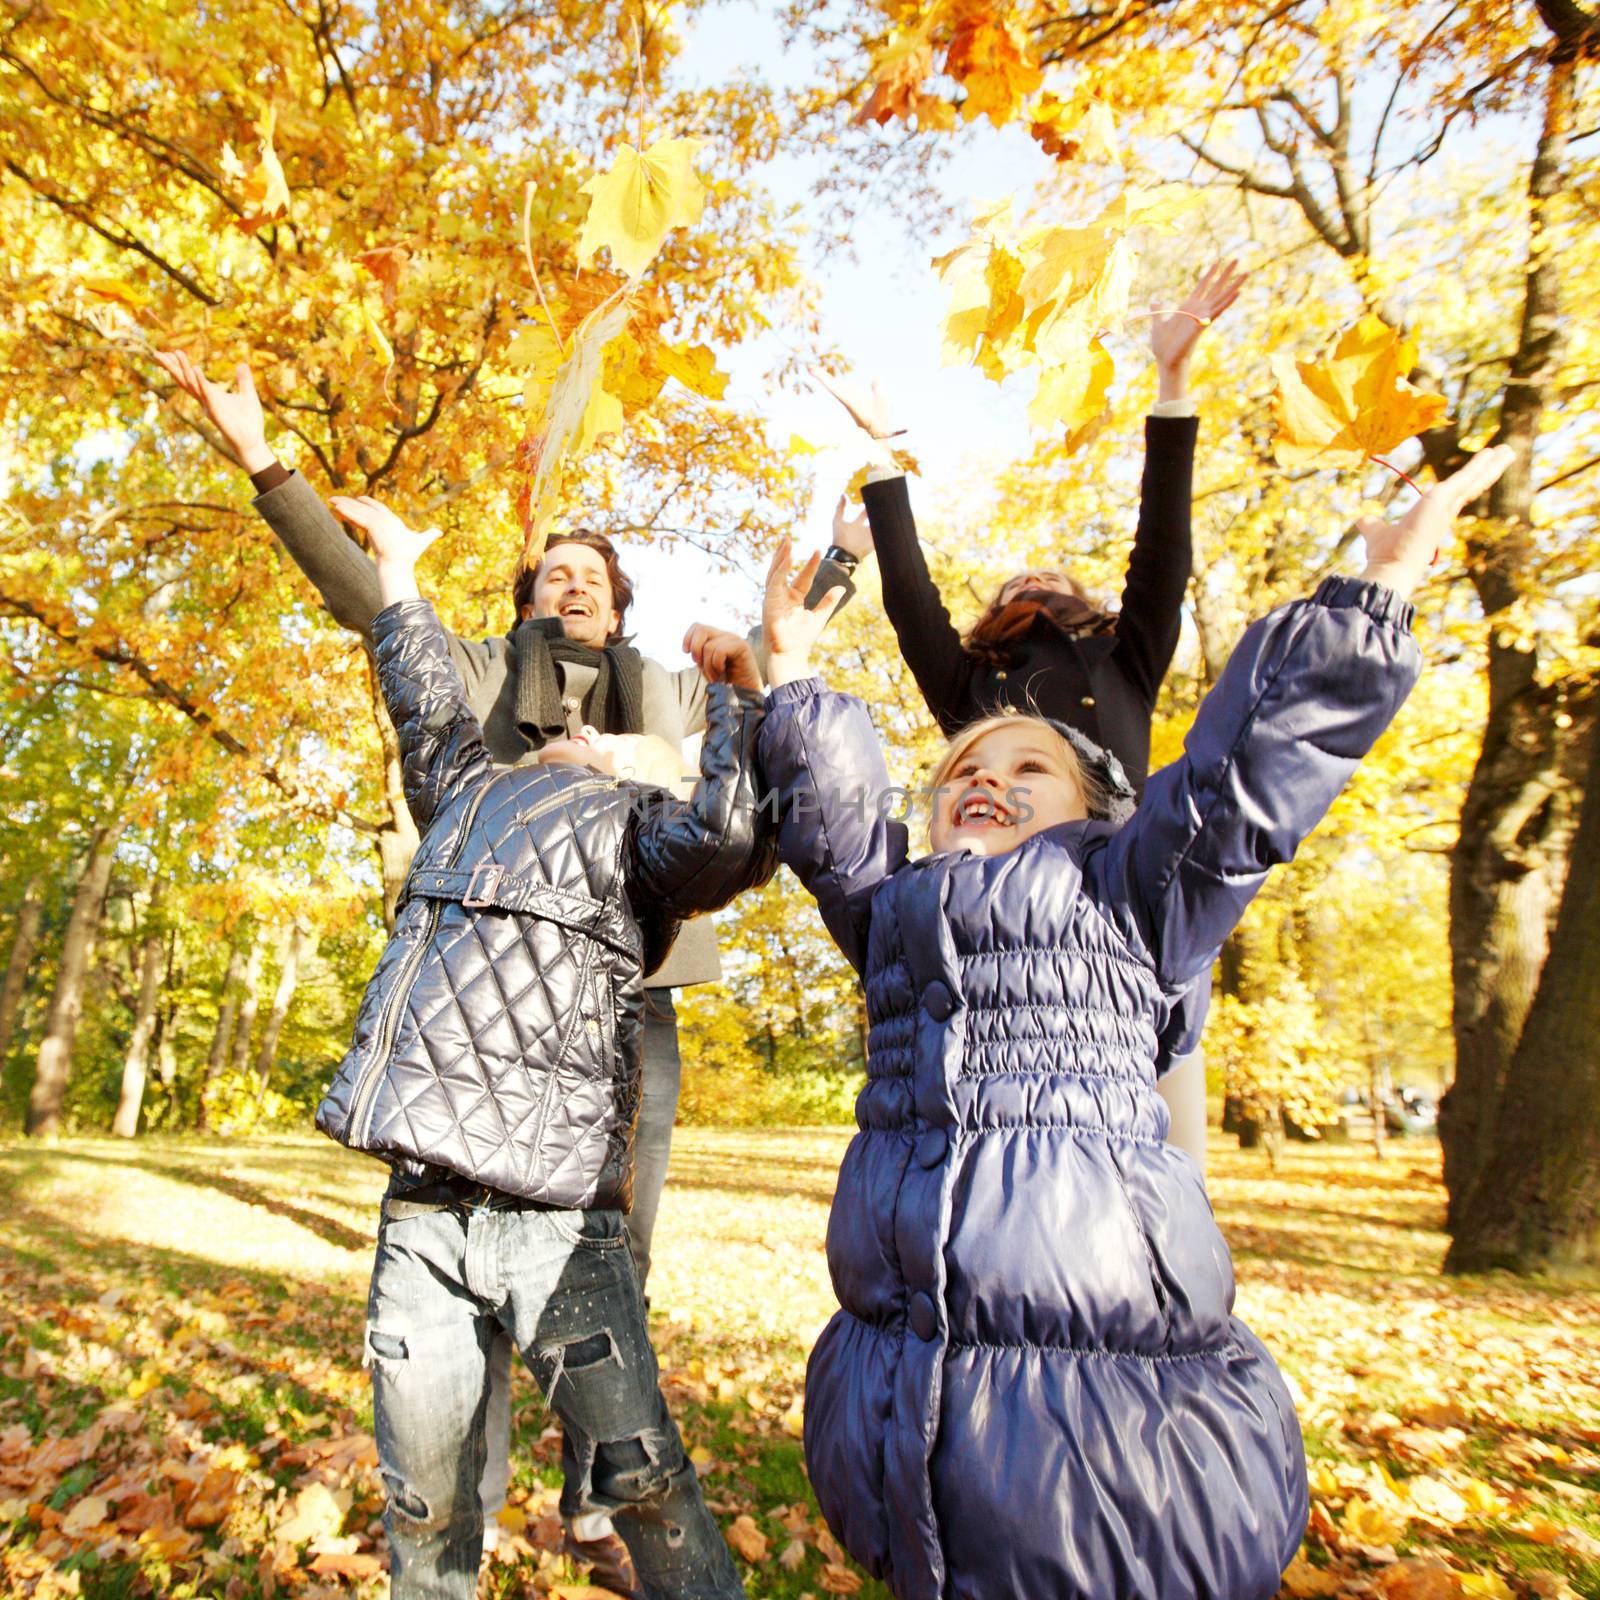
(937, 1001)
(1088, 700)
(1000, 676)
(931, 1147)
(924, 1318)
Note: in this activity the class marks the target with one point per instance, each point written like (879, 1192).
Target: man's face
(572, 584)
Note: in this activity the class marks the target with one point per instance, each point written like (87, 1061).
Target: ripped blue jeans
(562, 1284)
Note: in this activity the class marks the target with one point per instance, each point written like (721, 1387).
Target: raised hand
(1399, 552)
(722, 656)
(852, 533)
(640, 757)
(396, 547)
(789, 626)
(868, 409)
(236, 412)
(1174, 334)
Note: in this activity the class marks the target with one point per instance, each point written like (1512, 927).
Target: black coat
(1104, 685)
(500, 1036)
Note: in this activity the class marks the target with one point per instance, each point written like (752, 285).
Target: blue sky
(883, 308)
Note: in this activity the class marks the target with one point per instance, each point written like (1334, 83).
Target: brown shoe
(610, 1566)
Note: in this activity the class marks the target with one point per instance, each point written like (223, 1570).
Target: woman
(1036, 1384)
(1043, 644)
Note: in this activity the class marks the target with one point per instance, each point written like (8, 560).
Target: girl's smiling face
(1016, 777)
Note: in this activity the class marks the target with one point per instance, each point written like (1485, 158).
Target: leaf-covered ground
(183, 1410)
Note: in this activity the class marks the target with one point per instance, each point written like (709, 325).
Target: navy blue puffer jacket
(1036, 1386)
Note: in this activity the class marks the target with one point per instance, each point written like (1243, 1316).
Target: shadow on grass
(328, 1229)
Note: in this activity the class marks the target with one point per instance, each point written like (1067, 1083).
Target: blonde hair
(1094, 795)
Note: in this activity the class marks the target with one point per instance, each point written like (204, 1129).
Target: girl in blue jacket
(1036, 1385)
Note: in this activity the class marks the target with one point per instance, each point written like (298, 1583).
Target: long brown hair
(993, 637)
(526, 580)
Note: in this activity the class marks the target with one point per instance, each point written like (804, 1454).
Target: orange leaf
(746, 1539)
(1356, 404)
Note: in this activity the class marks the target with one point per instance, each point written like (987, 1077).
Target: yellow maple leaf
(1356, 404)
(265, 192)
(571, 414)
(124, 294)
(376, 337)
(694, 366)
(634, 206)
(1157, 208)
(1368, 1524)
(1073, 392)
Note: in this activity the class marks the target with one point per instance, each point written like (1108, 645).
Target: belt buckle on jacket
(491, 873)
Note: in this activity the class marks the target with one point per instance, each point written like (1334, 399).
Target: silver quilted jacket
(500, 1035)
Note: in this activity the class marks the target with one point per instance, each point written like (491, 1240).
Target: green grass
(192, 1306)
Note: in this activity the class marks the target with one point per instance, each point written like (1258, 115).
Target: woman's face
(985, 801)
(1051, 578)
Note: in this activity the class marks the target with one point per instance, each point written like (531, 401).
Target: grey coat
(674, 701)
(500, 1036)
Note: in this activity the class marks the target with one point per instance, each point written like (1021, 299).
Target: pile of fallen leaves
(183, 1410)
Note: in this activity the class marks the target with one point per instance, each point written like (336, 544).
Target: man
(565, 665)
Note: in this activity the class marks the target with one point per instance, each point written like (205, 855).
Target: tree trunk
(126, 1122)
(298, 945)
(222, 1038)
(1537, 1199)
(249, 1004)
(1508, 869)
(66, 999)
(30, 918)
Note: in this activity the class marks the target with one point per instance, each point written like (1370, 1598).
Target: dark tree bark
(24, 941)
(1536, 1203)
(135, 1064)
(222, 1037)
(1510, 864)
(66, 999)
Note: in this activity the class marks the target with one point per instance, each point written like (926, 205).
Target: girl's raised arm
(1306, 694)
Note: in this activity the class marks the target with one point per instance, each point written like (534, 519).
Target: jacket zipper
(366, 1090)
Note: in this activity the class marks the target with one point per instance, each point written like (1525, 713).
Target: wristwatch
(841, 557)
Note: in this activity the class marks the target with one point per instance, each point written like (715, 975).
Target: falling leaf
(695, 367)
(989, 55)
(376, 337)
(386, 263)
(1354, 405)
(1068, 132)
(1073, 392)
(115, 289)
(265, 191)
(747, 1540)
(566, 415)
(634, 206)
(900, 67)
